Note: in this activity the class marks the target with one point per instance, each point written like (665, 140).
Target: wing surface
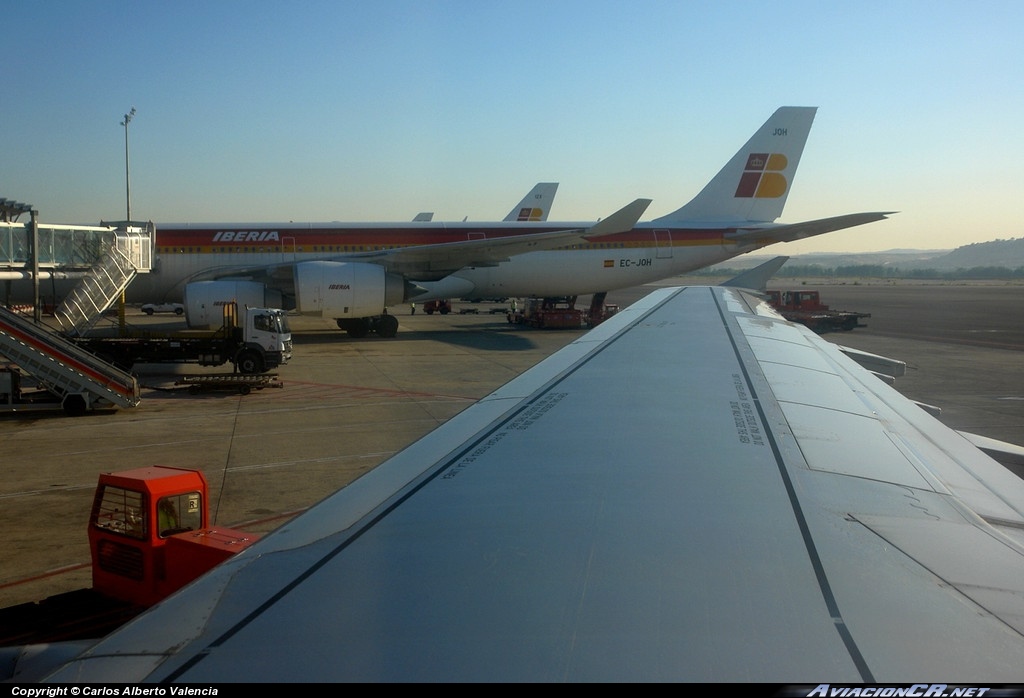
(445, 258)
(696, 490)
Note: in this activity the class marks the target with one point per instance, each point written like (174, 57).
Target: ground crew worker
(412, 308)
(167, 517)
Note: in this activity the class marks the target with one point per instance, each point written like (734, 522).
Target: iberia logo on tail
(762, 176)
(530, 214)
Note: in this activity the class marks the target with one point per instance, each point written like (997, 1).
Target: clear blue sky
(362, 111)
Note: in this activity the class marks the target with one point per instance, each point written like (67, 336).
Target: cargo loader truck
(253, 340)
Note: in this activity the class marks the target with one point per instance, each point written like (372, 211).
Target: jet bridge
(103, 258)
(81, 380)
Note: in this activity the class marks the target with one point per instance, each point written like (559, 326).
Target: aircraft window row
(599, 246)
(223, 250)
(341, 248)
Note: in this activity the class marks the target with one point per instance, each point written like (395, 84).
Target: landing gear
(385, 326)
(357, 328)
(599, 310)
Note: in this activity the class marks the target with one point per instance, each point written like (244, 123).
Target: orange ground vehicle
(806, 308)
(149, 535)
(442, 306)
(548, 313)
(561, 312)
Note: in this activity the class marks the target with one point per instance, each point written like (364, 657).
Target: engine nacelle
(205, 300)
(345, 289)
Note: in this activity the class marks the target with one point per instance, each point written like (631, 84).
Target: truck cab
(267, 340)
(796, 300)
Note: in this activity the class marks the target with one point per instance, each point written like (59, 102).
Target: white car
(176, 308)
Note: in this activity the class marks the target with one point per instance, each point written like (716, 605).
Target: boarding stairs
(79, 378)
(106, 281)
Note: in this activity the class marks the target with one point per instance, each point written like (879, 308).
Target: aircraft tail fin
(536, 205)
(754, 184)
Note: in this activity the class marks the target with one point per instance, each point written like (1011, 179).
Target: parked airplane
(354, 271)
(534, 206)
(745, 503)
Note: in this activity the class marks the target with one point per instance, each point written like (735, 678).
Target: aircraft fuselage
(646, 253)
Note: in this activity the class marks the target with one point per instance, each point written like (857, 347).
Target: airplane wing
(696, 490)
(798, 231)
(432, 262)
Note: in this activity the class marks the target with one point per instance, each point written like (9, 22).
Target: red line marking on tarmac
(44, 575)
(379, 391)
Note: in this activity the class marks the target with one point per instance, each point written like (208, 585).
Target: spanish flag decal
(609, 263)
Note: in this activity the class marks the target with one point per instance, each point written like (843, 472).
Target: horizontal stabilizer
(799, 231)
(756, 279)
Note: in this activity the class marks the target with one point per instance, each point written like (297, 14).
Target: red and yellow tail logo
(762, 176)
(530, 214)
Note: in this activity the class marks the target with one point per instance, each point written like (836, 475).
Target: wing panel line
(801, 521)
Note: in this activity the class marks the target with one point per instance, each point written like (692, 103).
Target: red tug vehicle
(806, 308)
(149, 535)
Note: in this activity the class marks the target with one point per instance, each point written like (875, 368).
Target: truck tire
(249, 362)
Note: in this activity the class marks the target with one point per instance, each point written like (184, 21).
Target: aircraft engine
(204, 301)
(345, 289)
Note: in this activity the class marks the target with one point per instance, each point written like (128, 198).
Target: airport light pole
(127, 179)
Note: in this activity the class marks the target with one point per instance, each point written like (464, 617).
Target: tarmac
(344, 405)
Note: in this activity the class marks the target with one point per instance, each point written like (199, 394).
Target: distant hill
(998, 253)
(1006, 254)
